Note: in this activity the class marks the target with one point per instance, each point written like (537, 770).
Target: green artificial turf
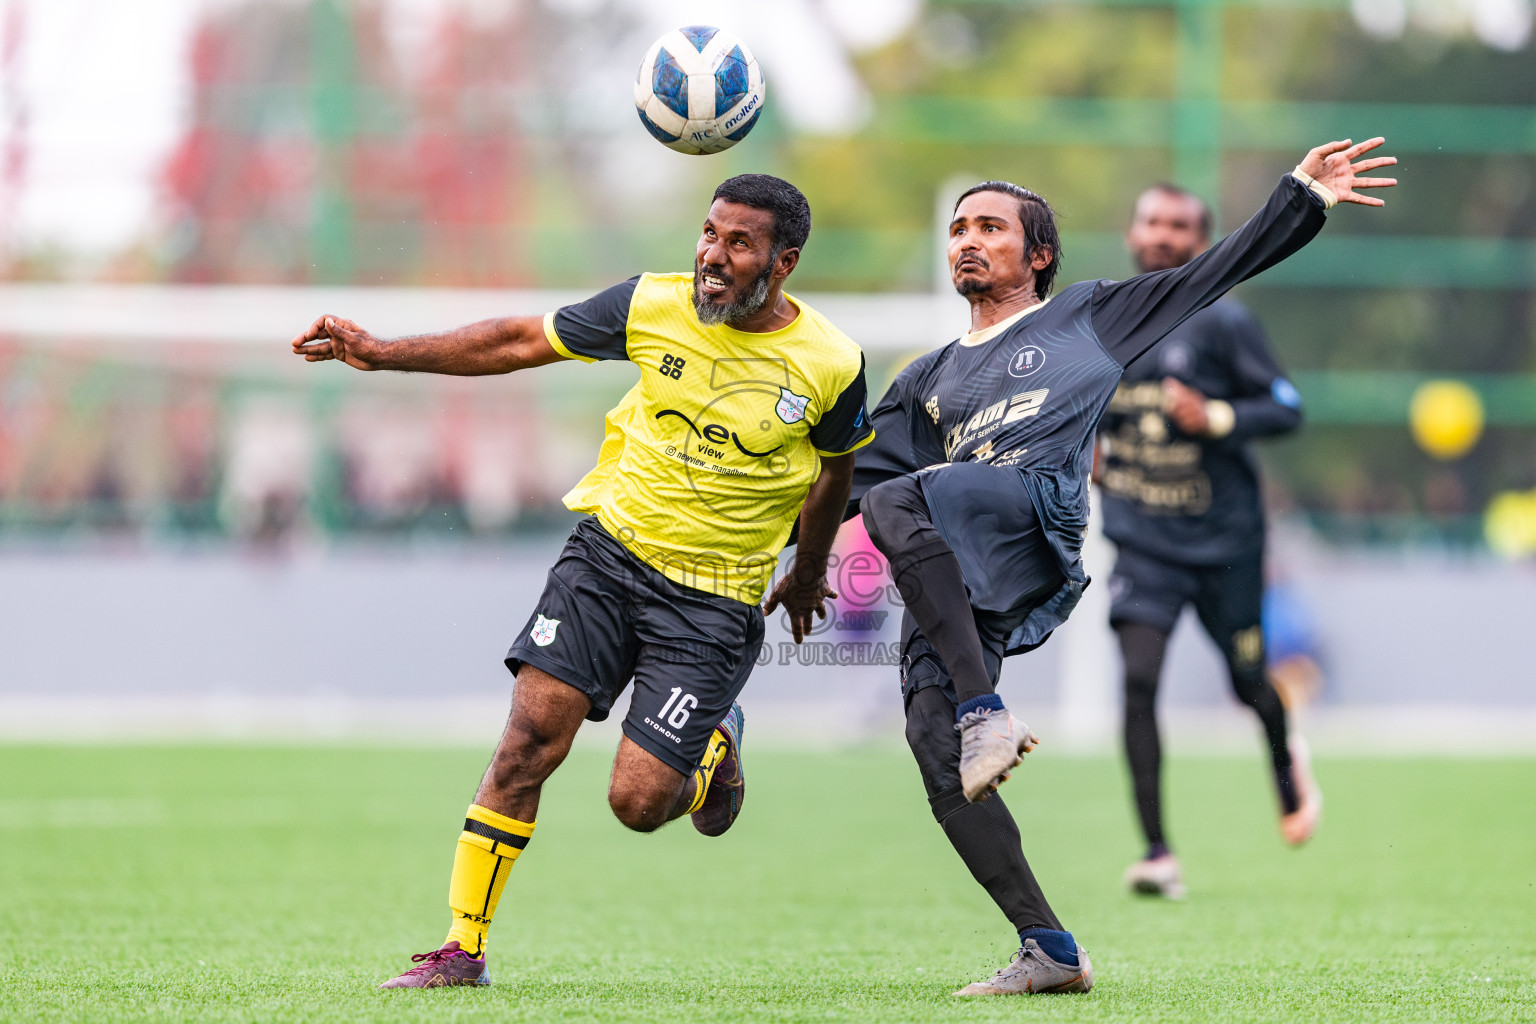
(285, 884)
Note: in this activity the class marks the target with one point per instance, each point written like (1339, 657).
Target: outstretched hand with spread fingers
(1333, 166)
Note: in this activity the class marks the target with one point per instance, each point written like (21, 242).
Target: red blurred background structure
(315, 154)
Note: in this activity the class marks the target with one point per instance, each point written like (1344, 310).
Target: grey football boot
(1032, 972)
(992, 744)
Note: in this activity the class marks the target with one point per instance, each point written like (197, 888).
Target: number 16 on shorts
(674, 714)
(681, 705)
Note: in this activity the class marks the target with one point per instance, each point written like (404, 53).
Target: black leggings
(983, 834)
(1143, 647)
(958, 645)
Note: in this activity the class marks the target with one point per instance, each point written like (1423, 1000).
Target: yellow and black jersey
(706, 461)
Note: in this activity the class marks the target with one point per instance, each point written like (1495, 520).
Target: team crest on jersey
(543, 632)
(1026, 361)
(791, 407)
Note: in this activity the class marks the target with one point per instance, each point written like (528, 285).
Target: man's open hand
(331, 337)
(1332, 167)
(802, 595)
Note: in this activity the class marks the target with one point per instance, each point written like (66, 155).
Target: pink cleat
(727, 790)
(442, 968)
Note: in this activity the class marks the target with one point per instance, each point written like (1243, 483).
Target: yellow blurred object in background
(1510, 524)
(1446, 417)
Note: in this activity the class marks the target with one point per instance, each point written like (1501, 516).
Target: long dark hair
(1039, 222)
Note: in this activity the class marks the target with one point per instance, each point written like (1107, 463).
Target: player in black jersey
(1181, 501)
(975, 489)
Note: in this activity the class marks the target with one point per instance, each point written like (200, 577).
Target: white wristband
(1323, 192)
(1220, 418)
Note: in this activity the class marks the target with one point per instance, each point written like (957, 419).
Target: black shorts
(1228, 598)
(987, 517)
(606, 617)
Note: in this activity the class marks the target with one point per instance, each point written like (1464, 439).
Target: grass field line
(475, 722)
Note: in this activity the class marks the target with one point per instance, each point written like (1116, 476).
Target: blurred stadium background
(201, 536)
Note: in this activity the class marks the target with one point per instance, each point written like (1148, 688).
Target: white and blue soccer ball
(699, 90)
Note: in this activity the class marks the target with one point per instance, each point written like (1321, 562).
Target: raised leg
(1230, 606)
(929, 578)
(644, 792)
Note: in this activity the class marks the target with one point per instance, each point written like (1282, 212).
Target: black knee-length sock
(983, 834)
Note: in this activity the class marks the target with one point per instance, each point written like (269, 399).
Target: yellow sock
(713, 755)
(487, 848)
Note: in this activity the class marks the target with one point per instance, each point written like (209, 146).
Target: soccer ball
(699, 90)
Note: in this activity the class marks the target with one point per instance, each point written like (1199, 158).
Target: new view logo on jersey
(733, 419)
(716, 433)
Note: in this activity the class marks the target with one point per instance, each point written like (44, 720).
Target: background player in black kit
(1181, 501)
(975, 489)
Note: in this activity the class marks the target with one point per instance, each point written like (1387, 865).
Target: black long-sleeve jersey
(1194, 500)
(1026, 395)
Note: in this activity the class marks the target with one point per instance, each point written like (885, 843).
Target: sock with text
(488, 846)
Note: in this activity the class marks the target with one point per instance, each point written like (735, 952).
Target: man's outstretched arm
(500, 345)
(1133, 315)
(804, 588)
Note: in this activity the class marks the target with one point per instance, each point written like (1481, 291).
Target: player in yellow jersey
(747, 410)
